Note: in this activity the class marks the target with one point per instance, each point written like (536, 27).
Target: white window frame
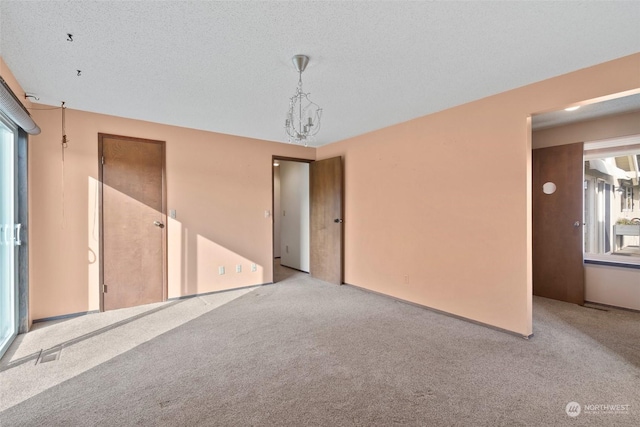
(627, 199)
(613, 147)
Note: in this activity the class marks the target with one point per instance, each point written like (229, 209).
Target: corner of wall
(10, 79)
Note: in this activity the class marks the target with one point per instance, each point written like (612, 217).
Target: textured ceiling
(226, 66)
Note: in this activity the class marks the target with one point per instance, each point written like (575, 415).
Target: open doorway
(308, 225)
(585, 198)
(291, 244)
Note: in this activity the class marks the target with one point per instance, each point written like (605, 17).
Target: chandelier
(303, 117)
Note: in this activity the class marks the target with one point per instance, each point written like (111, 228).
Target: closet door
(558, 188)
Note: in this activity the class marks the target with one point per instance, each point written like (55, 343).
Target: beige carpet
(302, 352)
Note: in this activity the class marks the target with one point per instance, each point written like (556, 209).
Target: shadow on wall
(199, 265)
(196, 264)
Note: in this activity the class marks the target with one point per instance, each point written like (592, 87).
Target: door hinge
(102, 160)
(104, 288)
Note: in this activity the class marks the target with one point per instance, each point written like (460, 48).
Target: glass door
(8, 233)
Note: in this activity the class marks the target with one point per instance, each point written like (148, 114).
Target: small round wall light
(549, 188)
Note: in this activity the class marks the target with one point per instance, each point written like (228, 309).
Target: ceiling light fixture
(303, 117)
(572, 108)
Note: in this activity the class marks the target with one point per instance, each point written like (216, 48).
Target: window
(612, 200)
(627, 199)
(8, 228)
(15, 123)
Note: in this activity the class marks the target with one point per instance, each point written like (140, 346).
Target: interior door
(326, 224)
(133, 220)
(558, 270)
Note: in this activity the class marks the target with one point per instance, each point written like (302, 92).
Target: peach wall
(589, 130)
(413, 232)
(219, 185)
(11, 80)
(405, 217)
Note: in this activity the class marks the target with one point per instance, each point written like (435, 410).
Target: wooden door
(132, 221)
(558, 270)
(326, 226)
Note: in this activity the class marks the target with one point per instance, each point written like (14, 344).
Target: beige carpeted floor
(302, 352)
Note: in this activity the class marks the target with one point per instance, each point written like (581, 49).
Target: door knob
(576, 224)
(338, 220)
(158, 224)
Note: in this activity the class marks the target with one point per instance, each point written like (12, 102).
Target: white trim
(617, 259)
(612, 142)
(599, 150)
